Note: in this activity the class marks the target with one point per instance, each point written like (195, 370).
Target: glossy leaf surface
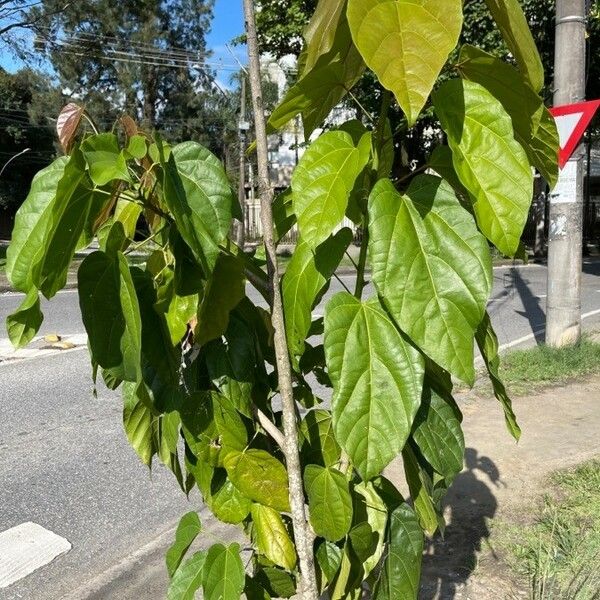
(432, 267)
(512, 22)
(199, 195)
(322, 183)
(402, 566)
(377, 377)
(406, 43)
(272, 538)
(488, 346)
(533, 130)
(329, 502)
(223, 577)
(260, 477)
(305, 277)
(32, 226)
(187, 580)
(187, 530)
(490, 163)
(25, 322)
(438, 434)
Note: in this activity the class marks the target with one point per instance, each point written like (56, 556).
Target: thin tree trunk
(302, 533)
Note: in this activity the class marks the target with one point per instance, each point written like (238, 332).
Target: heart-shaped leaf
(377, 378)
(432, 268)
(490, 163)
(406, 43)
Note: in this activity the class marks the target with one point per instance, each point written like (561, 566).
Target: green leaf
(136, 147)
(440, 161)
(406, 44)
(488, 346)
(138, 422)
(232, 365)
(321, 30)
(438, 434)
(317, 440)
(322, 183)
(402, 567)
(512, 22)
(225, 289)
(199, 427)
(104, 158)
(199, 196)
(110, 313)
(188, 578)
(157, 347)
(32, 224)
(329, 502)
(421, 491)
(525, 107)
(377, 377)
(223, 573)
(283, 213)
(25, 322)
(329, 559)
(306, 275)
(260, 477)
(272, 538)
(188, 529)
(370, 510)
(52, 222)
(226, 502)
(276, 582)
(230, 427)
(432, 268)
(315, 94)
(127, 213)
(544, 148)
(490, 163)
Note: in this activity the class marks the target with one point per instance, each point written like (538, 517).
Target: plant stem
(362, 260)
(378, 140)
(302, 535)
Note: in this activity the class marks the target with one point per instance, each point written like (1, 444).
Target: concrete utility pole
(563, 308)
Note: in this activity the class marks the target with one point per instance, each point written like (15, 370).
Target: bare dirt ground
(502, 481)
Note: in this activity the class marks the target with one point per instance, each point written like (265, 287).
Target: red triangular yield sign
(572, 121)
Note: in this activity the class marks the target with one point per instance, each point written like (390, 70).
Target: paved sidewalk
(503, 480)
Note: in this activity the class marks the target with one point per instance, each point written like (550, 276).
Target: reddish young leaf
(67, 124)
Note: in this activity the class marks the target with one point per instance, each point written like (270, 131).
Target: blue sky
(228, 23)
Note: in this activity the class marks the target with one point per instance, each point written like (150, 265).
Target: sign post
(563, 306)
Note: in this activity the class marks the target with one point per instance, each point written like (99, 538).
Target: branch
(302, 534)
(270, 428)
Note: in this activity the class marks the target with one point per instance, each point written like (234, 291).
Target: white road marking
(25, 548)
(9, 355)
(9, 294)
(530, 336)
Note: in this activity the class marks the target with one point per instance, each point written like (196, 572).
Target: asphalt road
(65, 462)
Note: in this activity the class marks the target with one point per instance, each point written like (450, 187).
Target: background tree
(144, 58)
(27, 98)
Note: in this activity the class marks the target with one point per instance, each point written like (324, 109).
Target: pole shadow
(450, 559)
(534, 312)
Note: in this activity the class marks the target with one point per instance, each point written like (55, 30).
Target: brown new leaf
(67, 124)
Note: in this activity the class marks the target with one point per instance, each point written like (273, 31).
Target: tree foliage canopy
(205, 370)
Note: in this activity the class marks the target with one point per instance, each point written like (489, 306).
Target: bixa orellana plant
(221, 391)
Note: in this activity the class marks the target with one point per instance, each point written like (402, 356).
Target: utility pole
(243, 127)
(563, 307)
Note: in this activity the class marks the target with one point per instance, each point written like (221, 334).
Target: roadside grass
(523, 371)
(559, 553)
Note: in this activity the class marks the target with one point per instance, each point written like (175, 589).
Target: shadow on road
(533, 307)
(450, 560)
